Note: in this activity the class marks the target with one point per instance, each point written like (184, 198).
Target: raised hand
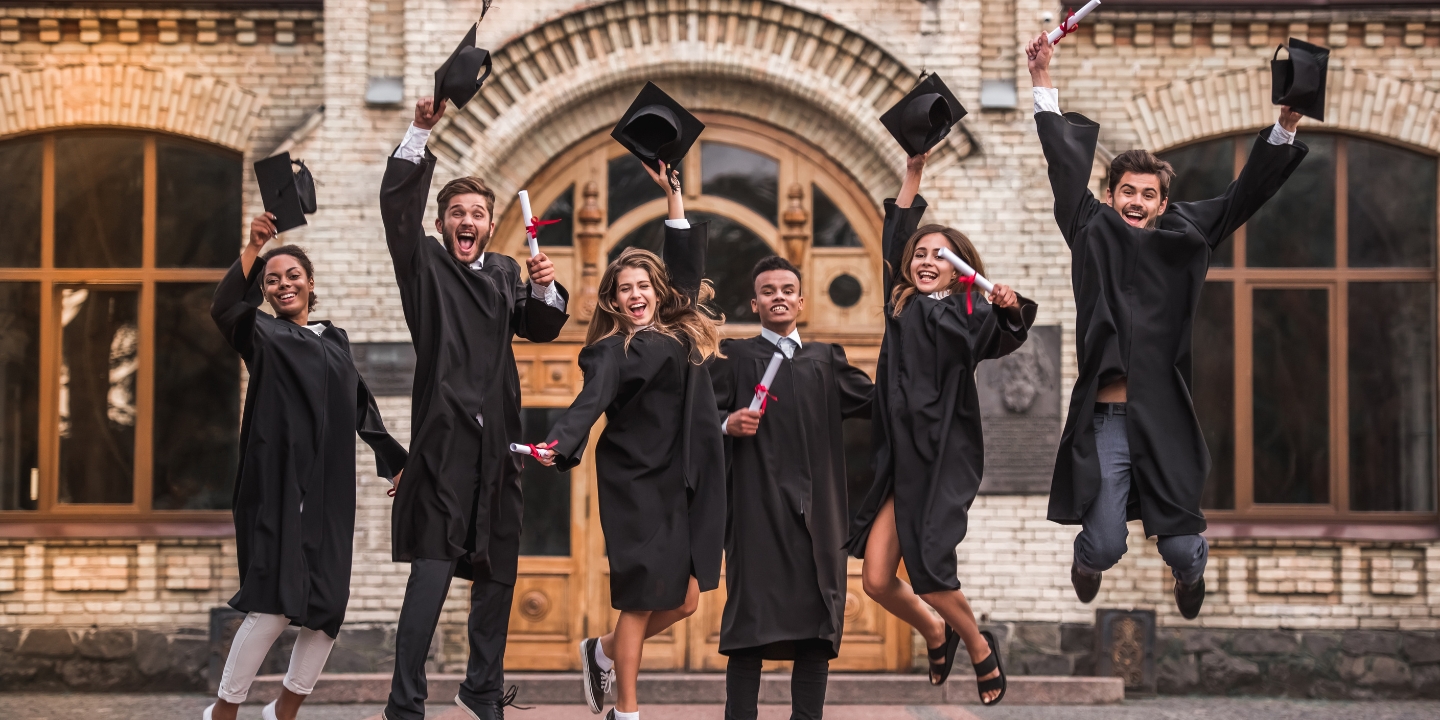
(428, 112)
(1037, 59)
(1001, 296)
(910, 187)
(1289, 119)
(668, 178)
(262, 229)
(542, 271)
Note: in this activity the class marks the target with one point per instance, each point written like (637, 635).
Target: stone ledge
(709, 688)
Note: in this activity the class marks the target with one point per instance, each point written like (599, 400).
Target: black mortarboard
(1299, 81)
(657, 127)
(288, 194)
(924, 116)
(460, 77)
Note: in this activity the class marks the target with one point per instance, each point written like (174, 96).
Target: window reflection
(1212, 389)
(19, 395)
(745, 176)
(1391, 206)
(731, 255)
(832, 229)
(563, 209)
(99, 359)
(629, 186)
(197, 402)
(20, 203)
(1392, 396)
(1204, 171)
(1296, 227)
(546, 525)
(197, 206)
(1291, 385)
(99, 200)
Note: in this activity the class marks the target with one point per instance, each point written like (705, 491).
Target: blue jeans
(1101, 542)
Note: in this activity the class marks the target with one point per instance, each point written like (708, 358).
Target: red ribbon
(967, 284)
(532, 227)
(535, 449)
(765, 397)
(1066, 28)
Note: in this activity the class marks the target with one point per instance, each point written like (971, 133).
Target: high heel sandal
(990, 664)
(943, 658)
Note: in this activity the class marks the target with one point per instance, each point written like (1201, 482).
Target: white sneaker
(208, 711)
(268, 712)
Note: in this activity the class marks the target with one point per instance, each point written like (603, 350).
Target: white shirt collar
(774, 337)
(940, 294)
(479, 262)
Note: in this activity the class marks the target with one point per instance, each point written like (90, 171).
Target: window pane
(99, 195)
(732, 254)
(1204, 171)
(20, 203)
(1392, 396)
(1212, 389)
(629, 187)
(99, 345)
(562, 209)
(1296, 228)
(832, 229)
(197, 206)
(1291, 386)
(19, 395)
(745, 176)
(197, 402)
(1392, 206)
(546, 525)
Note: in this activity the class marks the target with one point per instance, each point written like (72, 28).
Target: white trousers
(252, 642)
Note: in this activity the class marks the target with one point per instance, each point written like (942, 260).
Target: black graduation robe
(929, 452)
(660, 462)
(294, 499)
(1136, 291)
(461, 495)
(785, 564)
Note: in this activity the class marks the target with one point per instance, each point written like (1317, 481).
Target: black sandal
(943, 658)
(990, 664)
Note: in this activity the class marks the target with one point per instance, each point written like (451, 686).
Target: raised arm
(239, 294)
(1068, 142)
(405, 188)
(684, 249)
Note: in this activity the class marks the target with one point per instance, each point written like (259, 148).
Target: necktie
(787, 346)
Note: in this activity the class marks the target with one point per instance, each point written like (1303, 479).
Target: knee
(1183, 553)
(691, 604)
(1100, 551)
(875, 583)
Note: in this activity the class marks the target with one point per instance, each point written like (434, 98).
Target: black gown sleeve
(1267, 168)
(1005, 330)
(534, 319)
(571, 432)
(684, 256)
(1069, 145)
(404, 191)
(900, 224)
(857, 392)
(722, 381)
(237, 299)
(390, 455)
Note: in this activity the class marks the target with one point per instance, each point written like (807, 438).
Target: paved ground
(16, 706)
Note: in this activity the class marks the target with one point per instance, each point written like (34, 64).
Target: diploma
(1069, 24)
(762, 391)
(532, 450)
(531, 233)
(964, 269)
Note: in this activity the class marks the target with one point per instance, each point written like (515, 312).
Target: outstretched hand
(262, 229)
(1037, 59)
(1289, 118)
(1001, 296)
(428, 112)
(668, 178)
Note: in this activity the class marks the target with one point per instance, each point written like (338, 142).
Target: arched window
(1314, 348)
(118, 397)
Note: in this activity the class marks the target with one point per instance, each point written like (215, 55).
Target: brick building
(127, 130)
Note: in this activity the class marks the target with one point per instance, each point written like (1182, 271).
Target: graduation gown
(785, 566)
(461, 496)
(1136, 291)
(294, 499)
(929, 452)
(660, 462)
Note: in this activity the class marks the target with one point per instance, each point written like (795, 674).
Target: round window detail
(845, 291)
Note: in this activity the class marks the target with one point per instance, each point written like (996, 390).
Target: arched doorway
(764, 191)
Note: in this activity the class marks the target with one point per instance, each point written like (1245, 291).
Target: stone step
(709, 688)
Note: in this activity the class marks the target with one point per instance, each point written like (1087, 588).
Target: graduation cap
(657, 128)
(288, 194)
(924, 116)
(1299, 81)
(460, 76)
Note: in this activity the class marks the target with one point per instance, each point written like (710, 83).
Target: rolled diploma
(770, 370)
(1074, 21)
(525, 210)
(524, 449)
(966, 270)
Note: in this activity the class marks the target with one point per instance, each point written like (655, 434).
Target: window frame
(1336, 280)
(137, 517)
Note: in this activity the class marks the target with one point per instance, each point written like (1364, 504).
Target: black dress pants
(419, 616)
(807, 681)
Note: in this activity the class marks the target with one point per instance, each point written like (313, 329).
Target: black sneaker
(493, 710)
(1190, 598)
(595, 678)
(1086, 584)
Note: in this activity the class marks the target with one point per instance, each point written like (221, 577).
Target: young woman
(929, 451)
(660, 461)
(295, 491)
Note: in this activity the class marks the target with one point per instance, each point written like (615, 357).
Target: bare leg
(224, 710)
(288, 704)
(626, 643)
(879, 576)
(952, 605)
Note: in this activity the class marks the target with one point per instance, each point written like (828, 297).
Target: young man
(458, 511)
(785, 561)
(1132, 446)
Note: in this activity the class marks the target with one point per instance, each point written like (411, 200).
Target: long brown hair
(674, 314)
(905, 284)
